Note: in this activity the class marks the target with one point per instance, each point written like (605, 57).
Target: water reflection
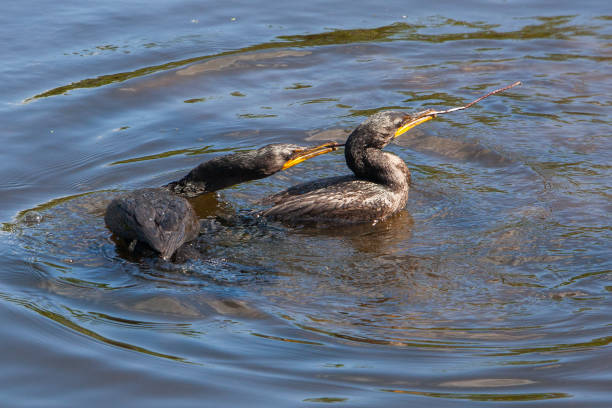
(549, 27)
(487, 397)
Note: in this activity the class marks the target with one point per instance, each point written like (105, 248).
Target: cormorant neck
(228, 170)
(372, 164)
(222, 172)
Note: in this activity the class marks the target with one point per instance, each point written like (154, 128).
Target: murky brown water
(493, 285)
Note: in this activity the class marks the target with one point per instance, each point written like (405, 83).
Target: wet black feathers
(156, 217)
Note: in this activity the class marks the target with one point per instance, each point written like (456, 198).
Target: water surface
(493, 285)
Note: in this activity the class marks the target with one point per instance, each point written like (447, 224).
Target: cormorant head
(292, 155)
(280, 156)
(381, 128)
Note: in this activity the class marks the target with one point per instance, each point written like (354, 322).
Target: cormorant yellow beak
(414, 122)
(304, 155)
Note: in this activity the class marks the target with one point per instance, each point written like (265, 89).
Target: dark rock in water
(156, 217)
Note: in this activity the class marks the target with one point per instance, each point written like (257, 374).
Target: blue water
(491, 288)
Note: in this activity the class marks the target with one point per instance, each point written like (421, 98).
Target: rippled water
(493, 285)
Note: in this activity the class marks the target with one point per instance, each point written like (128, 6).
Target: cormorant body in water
(163, 220)
(378, 188)
(155, 217)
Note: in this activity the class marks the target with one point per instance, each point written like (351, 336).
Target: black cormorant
(155, 217)
(378, 188)
(163, 220)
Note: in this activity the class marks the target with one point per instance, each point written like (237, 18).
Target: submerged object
(164, 220)
(377, 189)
